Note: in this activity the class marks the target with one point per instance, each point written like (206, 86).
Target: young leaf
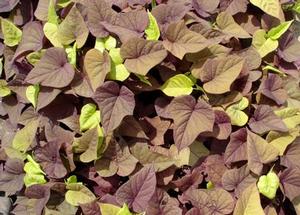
(107, 43)
(34, 173)
(268, 184)
(97, 65)
(152, 31)
(290, 116)
(11, 33)
(276, 32)
(32, 93)
(236, 114)
(89, 117)
(271, 7)
(78, 194)
(115, 55)
(178, 85)
(51, 32)
(4, 90)
(262, 45)
(118, 72)
(24, 137)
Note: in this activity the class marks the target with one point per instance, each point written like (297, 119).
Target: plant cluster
(166, 107)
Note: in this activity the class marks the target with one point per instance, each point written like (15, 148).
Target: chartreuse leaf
(290, 116)
(262, 45)
(118, 72)
(24, 137)
(178, 85)
(52, 16)
(271, 7)
(71, 54)
(144, 79)
(210, 185)
(152, 31)
(35, 57)
(63, 3)
(78, 194)
(107, 43)
(276, 32)
(273, 69)
(236, 114)
(4, 90)
(110, 209)
(268, 184)
(115, 55)
(1, 65)
(32, 93)
(34, 173)
(89, 117)
(11, 33)
(71, 179)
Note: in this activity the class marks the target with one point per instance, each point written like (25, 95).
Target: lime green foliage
(178, 85)
(52, 16)
(34, 173)
(276, 32)
(143, 79)
(273, 69)
(71, 179)
(72, 55)
(63, 3)
(210, 185)
(12, 34)
(118, 72)
(105, 43)
(115, 55)
(236, 114)
(89, 117)
(4, 90)
(1, 65)
(24, 137)
(268, 184)
(32, 93)
(266, 43)
(152, 31)
(110, 209)
(14, 153)
(290, 116)
(78, 194)
(35, 57)
(271, 7)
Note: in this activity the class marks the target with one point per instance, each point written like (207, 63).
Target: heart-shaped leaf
(268, 184)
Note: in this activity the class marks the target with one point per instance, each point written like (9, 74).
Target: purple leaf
(187, 113)
(7, 5)
(138, 191)
(290, 180)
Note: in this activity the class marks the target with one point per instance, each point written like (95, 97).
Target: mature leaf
(263, 45)
(152, 31)
(114, 103)
(11, 178)
(236, 114)
(178, 85)
(268, 184)
(236, 149)
(97, 65)
(89, 117)
(264, 119)
(219, 73)
(222, 126)
(214, 168)
(141, 55)
(290, 180)
(187, 113)
(8, 5)
(214, 201)
(78, 194)
(228, 26)
(179, 40)
(259, 152)
(73, 28)
(249, 202)
(25, 137)
(271, 7)
(49, 158)
(138, 190)
(290, 116)
(204, 8)
(290, 159)
(11, 33)
(53, 70)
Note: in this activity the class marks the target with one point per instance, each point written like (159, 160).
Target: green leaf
(118, 72)
(35, 57)
(124, 210)
(143, 79)
(4, 90)
(24, 137)
(109, 209)
(89, 117)
(178, 85)
(32, 93)
(71, 54)
(268, 184)
(273, 69)
(262, 45)
(210, 185)
(107, 43)
(290, 116)
(152, 31)
(115, 55)
(276, 32)
(1, 65)
(12, 34)
(271, 7)
(281, 140)
(52, 16)
(50, 31)
(237, 116)
(78, 194)
(71, 179)
(34, 173)
(63, 3)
